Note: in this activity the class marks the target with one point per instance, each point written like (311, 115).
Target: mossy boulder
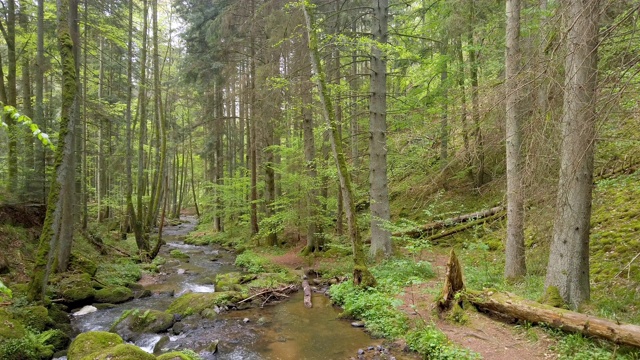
(34, 317)
(76, 288)
(273, 280)
(231, 281)
(194, 303)
(134, 322)
(80, 263)
(10, 327)
(92, 342)
(57, 339)
(114, 294)
(120, 352)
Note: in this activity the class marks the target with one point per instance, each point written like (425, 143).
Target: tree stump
(452, 282)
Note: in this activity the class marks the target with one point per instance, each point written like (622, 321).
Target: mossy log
(566, 320)
(307, 293)
(470, 220)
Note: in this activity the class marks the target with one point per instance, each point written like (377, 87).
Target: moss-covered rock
(92, 342)
(80, 263)
(114, 295)
(273, 280)
(120, 352)
(10, 327)
(134, 322)
(179, 355)
(194, 303)
(231, 281)
(34, 317)
(58, 314)
(76, 288)
(57, 339)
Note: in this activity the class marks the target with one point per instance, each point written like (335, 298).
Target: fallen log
(465, 226)
(566, 320)
(472, 217)
(307, 292)
(512, 306)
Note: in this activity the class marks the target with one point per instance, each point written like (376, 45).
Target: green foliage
(432, 344)
(29, 347)
(377, 309)
(119, 273)
(254, 263)
(26, 121)
(394, 274)
(5, 291)
(577, 347)
(178, 254)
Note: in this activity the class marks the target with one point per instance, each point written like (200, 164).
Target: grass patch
(432, 344)
(255, 263)
(119, 273)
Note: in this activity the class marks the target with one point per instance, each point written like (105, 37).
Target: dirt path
(493, 339)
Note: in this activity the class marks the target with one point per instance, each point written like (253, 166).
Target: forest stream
(286, 330)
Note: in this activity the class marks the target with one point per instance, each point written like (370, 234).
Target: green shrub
(377, 309)
(118, 274)
(255, 263)
(433, 344)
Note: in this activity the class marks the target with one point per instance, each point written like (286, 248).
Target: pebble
(360, 352)
(245, 320)
(357, 324)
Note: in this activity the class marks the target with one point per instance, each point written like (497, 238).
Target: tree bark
(306, 289)
(52, 229)
(361, 274)
(379, 191)
(515, 266)
(568, 268)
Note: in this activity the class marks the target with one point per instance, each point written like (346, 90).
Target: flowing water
(284, 331)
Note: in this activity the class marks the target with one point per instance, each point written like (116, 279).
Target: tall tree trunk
(51, 232)
(253, 138)
(463, 98)
(314, 239)
(29, 183)
(10, 38)
(515, 266)
(131, 217)
(568, 268)
(444, 115)
(219, 159)
(39, 114)
(139, 228)
(379, 191)
(361, 274)
(479, 178)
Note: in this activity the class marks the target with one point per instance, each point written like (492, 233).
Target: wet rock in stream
(134, 323)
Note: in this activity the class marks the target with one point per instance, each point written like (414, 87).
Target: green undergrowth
(378, 308)
(256, 263)
(433, 344)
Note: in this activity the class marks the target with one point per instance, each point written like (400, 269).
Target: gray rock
(358, 324)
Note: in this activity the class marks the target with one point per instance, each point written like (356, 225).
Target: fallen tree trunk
(465, 226)
(566, 320)
(307, 293)
(472, 217)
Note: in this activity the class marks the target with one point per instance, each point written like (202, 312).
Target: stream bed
(285, 331)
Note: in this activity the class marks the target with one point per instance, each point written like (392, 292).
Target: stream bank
(286, 330)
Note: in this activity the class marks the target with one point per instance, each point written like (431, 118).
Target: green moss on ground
(92, 342)
(179, 355)
(114, 295)
(120, 352)
(143, 321)
(177, 254)
(194, 303)
(76, 288)
(10, 327)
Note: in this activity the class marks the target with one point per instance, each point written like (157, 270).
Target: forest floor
(491, 337)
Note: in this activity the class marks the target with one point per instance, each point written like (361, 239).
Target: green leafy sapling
(26, 121)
